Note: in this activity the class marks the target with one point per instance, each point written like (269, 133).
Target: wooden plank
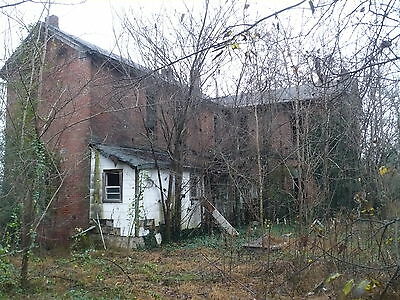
(219, 218)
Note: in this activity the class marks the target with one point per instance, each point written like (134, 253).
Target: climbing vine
(97, 202)
(31, 173)
(136, 210)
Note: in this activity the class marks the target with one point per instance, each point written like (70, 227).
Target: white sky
(94, 20)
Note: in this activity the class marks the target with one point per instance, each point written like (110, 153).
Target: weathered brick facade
(86, 97)
(89, 96)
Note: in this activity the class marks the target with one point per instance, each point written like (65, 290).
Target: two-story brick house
(90, 98)
(109, 122)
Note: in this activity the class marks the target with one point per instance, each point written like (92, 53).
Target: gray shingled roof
(282, 95)
(93, 49)
(135, 157)
(80, 45)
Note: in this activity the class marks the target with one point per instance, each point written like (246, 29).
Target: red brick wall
(65, 108)
(200, 130)
(118, 107)
(84, 99)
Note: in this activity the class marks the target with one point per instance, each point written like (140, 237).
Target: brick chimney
(52, 20)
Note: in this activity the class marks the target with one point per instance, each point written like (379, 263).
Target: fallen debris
(267, 242)
(220, 218)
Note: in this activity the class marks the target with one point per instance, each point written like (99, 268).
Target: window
(112, 186)
(294, 127)
(195, 187)
(151, 114)
(243, 132)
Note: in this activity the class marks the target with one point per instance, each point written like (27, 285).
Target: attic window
(112, 186)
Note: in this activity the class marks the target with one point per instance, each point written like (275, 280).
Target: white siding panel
(150, 206)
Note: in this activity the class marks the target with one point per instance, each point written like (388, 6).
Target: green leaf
(361, 288)
(348, 287)
(332, 277)
(365, 285)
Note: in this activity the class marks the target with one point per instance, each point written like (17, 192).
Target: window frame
(105, 186)
(195, 187)
(151, 114)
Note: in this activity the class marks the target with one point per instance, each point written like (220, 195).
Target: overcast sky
(98, 21)
(94, 20)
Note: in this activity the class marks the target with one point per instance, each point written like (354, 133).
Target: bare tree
(163, 43)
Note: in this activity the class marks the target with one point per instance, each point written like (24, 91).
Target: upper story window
(296, 131)
(151, 114)
(112, 186)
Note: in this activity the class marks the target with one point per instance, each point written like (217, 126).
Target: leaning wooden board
(219, 218)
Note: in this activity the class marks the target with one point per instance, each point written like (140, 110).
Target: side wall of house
(201, 130)
(64, 111)
(122, 214)
(118, 108)
(127, 110)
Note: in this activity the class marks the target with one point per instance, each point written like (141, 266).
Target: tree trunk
(167, 211)
(178, 201)
(260, 170)
(26, 238)
(137, 200)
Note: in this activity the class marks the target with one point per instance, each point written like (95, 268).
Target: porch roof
(135, 157)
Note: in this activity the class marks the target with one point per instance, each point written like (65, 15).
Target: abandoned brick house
(268, 138)
(103, 117)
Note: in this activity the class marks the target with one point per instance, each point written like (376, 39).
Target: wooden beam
(219, 218)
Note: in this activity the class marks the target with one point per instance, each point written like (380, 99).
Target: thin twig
(118, 266)
(228, 276)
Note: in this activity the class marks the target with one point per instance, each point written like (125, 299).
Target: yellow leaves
(365, 286)
(369, 286)
(383, 170)
(372, 285)
(389, 241)
(368, 211)
(235, 46)
(332, 277)
(348, 287)
(364, 206)
(359, 290)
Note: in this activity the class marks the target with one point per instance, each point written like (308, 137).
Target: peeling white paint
(122, 214)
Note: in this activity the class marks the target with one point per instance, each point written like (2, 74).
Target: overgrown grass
(217, 239)
(8, 277)
(202, 266)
